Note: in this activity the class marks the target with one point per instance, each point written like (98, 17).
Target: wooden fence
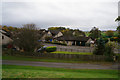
(71, 56)
(75, 50)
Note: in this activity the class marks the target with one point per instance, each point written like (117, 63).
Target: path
(60, 65)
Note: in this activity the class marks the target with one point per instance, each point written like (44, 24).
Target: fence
(75, 50)
(71, 56)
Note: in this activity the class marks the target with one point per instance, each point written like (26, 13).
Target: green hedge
(51, 49)
(57, 43)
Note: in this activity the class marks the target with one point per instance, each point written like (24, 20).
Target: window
(2, 37)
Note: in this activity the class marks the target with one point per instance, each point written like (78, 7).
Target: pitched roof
(72, 38)
(41, 33)
(8, 34)
(54, 32)
(42, 30)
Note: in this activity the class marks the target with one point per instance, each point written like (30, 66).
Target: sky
(74, 14)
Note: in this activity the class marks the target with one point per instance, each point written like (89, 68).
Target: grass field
(14, 71)
(81, 53)
(25, 58)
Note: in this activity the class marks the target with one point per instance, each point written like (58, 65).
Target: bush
(8, 51)
(105, 39)
(109, 49)
(4, 46)
(51, 49)
(48, 38)
(109, 53)
(87, 44)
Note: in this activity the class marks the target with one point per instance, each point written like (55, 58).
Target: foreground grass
(14, 71)
(81, 53)
(29, 58)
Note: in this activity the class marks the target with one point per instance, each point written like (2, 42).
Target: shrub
(48, 38)
(64, 44)
(8, 51)
(109, 49)
(4, 46)
(105, 39)
(51, 49)
(87, 44)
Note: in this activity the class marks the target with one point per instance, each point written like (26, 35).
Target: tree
(118, 29)
(78, 32)
(26, 38)
(57, 28)
(10, 28)
(67, 31)
(109, 33)
(100, 48)
(118, 19)
(5, 28)
(109, 48)
(95, 33)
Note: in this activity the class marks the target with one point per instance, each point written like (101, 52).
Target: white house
(5, 37)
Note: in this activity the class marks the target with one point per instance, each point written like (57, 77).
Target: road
(61, 65)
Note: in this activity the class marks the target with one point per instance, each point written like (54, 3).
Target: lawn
(26, 58)
(14, 71)
(81, 53)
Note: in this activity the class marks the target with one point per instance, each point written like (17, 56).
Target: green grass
(26, 58)
(14, 71)
(81, 53)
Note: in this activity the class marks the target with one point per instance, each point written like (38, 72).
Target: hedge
(51, 49)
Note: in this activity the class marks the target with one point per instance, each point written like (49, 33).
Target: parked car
(42, 49)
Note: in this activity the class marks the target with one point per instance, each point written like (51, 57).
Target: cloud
(81, 14)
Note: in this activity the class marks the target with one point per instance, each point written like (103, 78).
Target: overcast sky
(75, 14)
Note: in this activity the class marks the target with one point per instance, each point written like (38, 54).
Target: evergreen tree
(100, 47)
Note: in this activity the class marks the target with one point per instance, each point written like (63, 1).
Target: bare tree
(27, 37)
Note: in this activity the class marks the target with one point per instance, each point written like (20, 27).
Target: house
(5, 37)
(90, 42)
(42, 30)
(44, 34)
(73, 40)
(50, 33)
(56, 33)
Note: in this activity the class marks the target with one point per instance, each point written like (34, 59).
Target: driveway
(61, 65)
(71, 48)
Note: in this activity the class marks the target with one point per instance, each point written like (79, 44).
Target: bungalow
(73, 40)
